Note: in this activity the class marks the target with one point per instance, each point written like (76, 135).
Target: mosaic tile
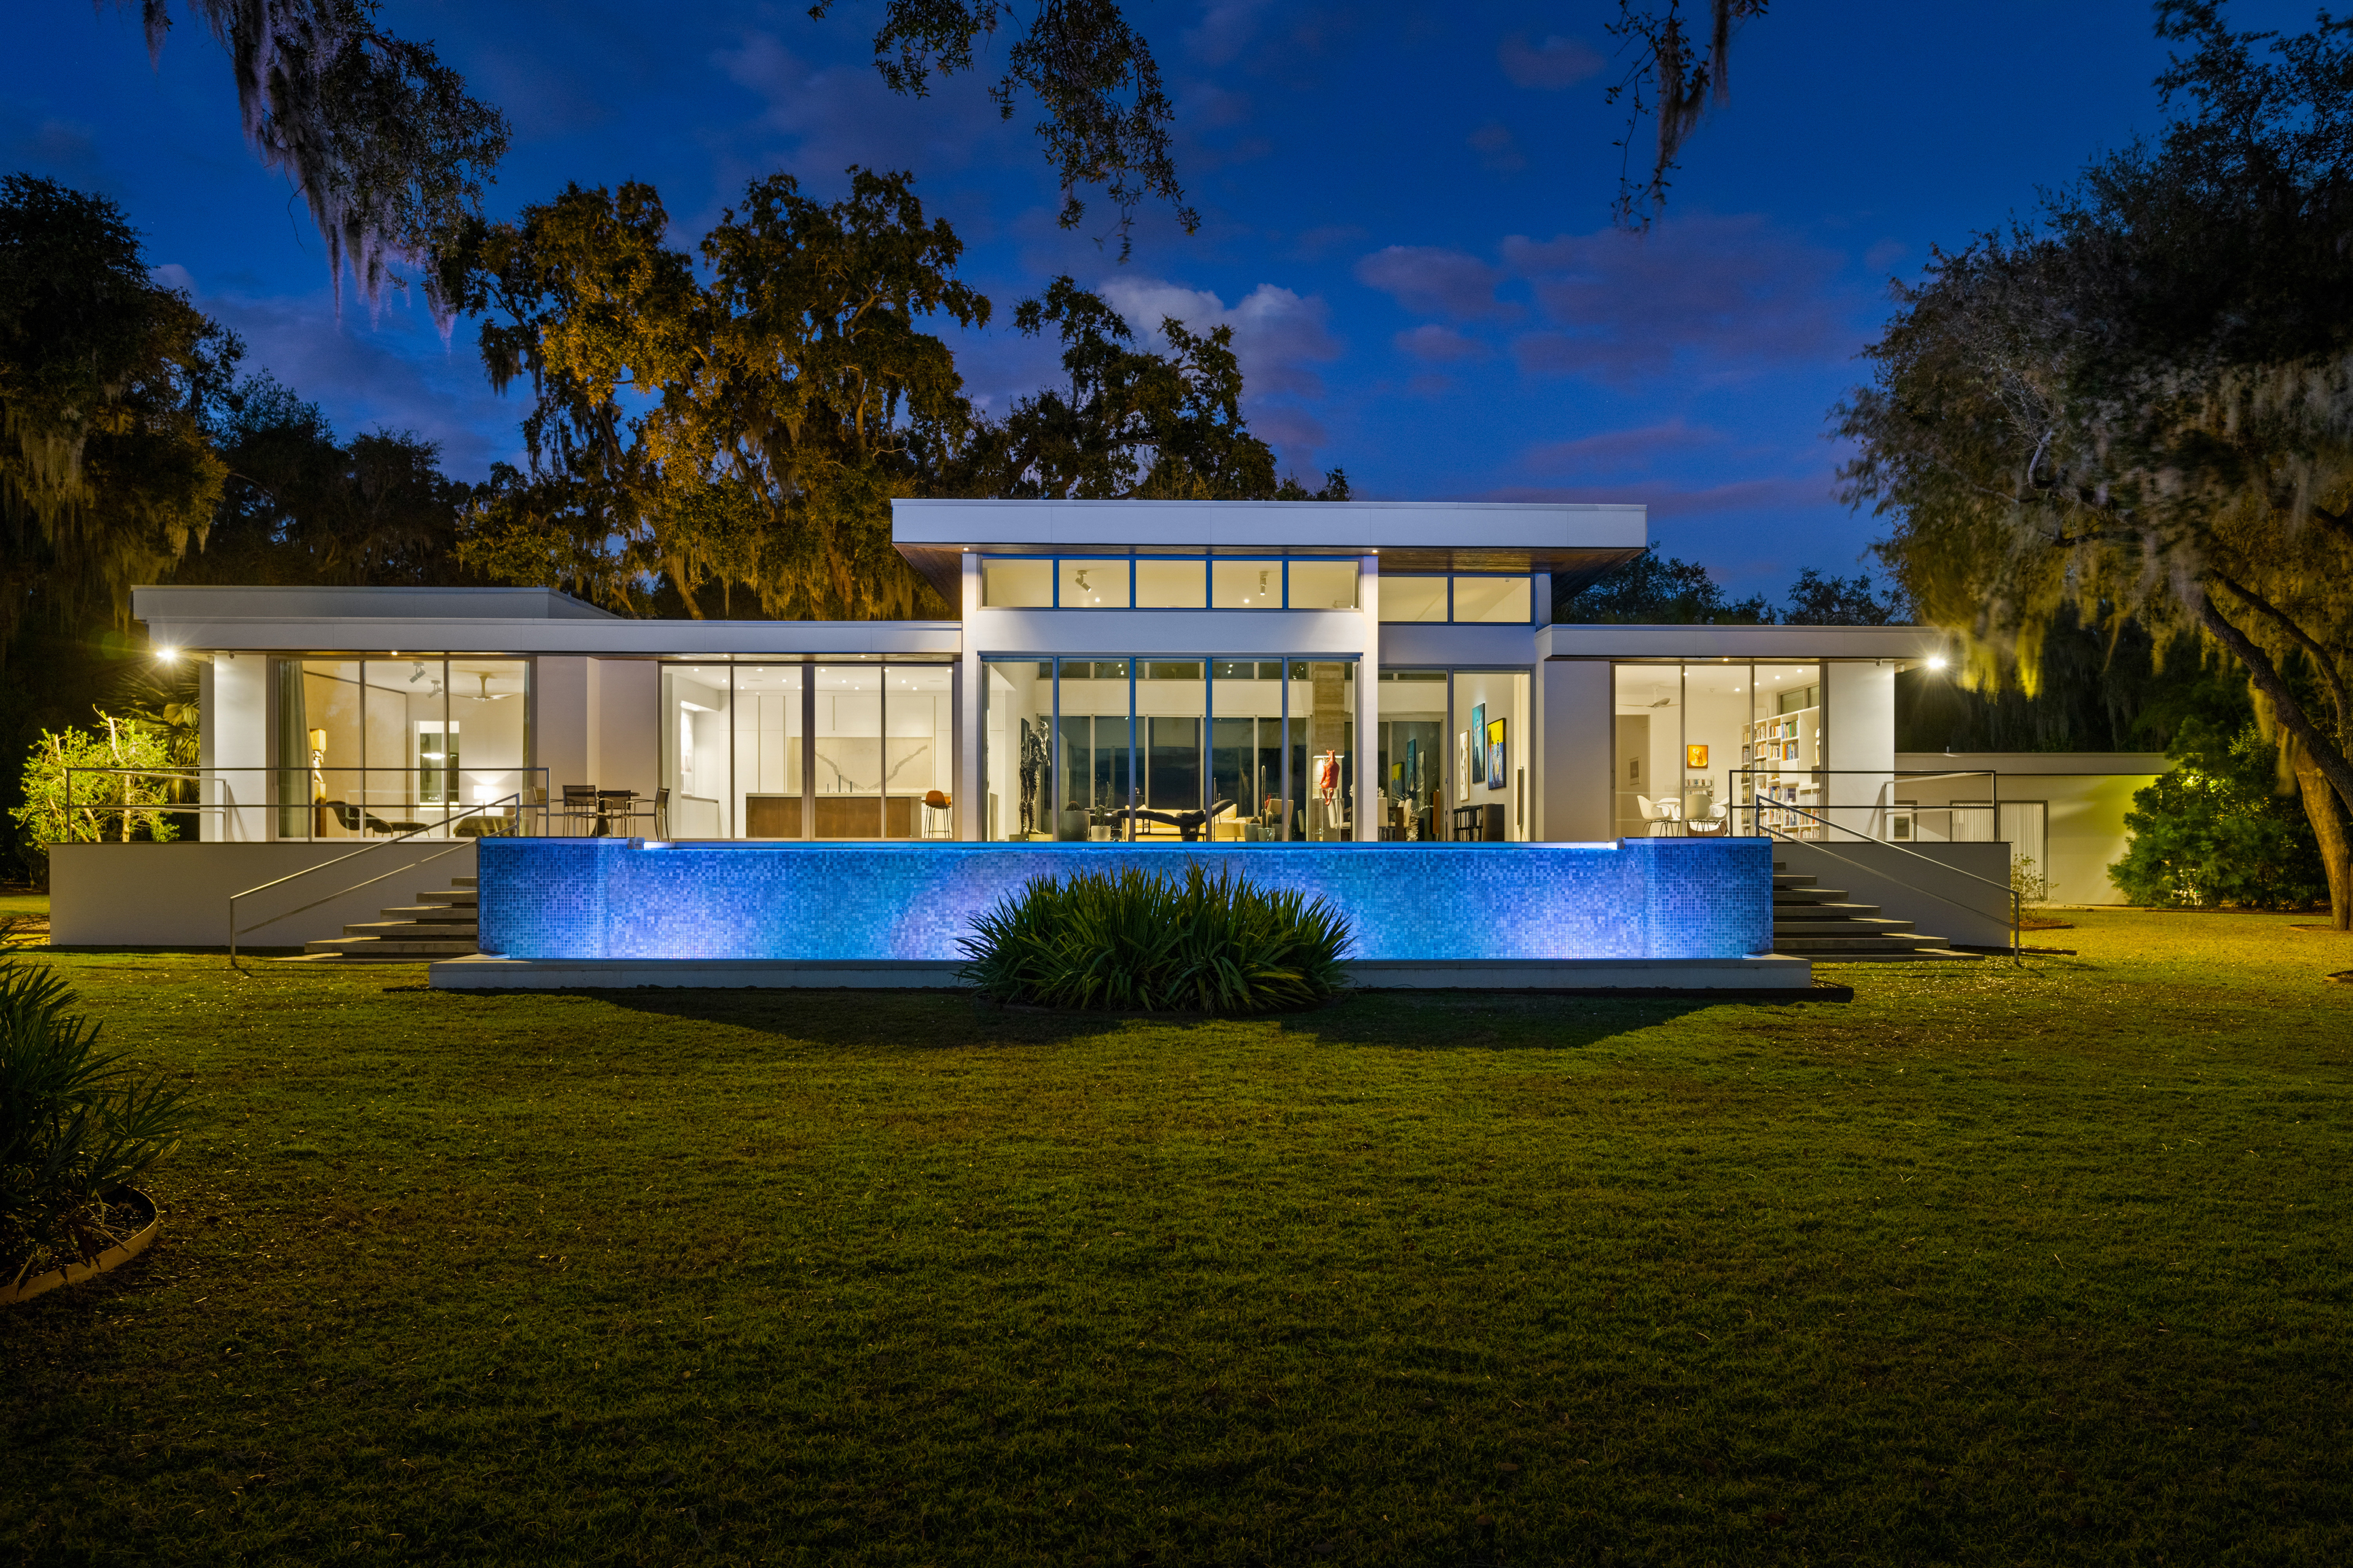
(617, 898)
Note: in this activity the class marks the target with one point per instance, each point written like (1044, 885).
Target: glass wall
(1491, 756)
(1091, 760)
(1183, 749)
(1462, 598)
(1017, 766)
(767, 758)
(1412, 754)
(1707, 748)
(1172, 583)
(698, 758)
(919, 751)
(1246, 750)
(1322, 700)
(382, 746)
(794, 751)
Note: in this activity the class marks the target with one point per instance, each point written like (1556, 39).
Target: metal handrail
(201, 772)
(514, 800)
(2015, 908)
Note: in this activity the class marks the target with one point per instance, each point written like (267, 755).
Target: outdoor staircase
(439, 925)
(1819, 923)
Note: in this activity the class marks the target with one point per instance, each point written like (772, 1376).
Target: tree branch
(2320, 655)
(2266, 676)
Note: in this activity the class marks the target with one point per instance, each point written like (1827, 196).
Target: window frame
(1209, 563)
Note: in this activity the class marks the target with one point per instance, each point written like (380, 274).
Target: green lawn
(1990, 1266)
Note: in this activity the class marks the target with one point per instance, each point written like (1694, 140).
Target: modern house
(1224, 674)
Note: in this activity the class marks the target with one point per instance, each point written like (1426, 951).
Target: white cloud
(1277, 334)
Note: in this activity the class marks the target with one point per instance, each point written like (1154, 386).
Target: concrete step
(1794, 930)
(465, 882)
(402, 948)
(429, 912)
(1809, 895)
(450, 896)
(1824, 910)
(1883, 942)
(1916, 955)
(434, 930)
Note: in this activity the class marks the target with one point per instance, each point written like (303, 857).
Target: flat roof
(1579, 541)
(170, 602)
(2061, 765)
(1699, 644)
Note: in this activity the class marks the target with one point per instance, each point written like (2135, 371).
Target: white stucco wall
(2085, 794)
(176, 895)
(1860, 707)
(1573, 738)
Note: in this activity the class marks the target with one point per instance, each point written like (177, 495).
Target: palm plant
(1142, 941)
(76, 1125)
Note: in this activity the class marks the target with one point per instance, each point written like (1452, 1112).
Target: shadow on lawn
(923, 1020)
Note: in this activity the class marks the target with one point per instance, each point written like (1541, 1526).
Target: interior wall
(235, 721)
(627, 752)
(560, 724)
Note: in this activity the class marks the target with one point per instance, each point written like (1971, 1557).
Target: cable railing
(1701, 809)
(2016, 907)
(301, 804)
(404, 868)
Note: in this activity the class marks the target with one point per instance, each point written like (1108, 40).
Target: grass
(1988, 1267)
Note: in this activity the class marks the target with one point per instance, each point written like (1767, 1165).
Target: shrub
(75, 1125)
(2216, 831)
(92, 807)
(1145, 942)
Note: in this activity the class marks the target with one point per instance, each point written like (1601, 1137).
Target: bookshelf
(1784, 751)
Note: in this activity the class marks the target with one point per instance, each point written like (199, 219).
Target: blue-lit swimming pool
(619, 898)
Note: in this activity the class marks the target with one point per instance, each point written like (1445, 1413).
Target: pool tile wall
(619, 898)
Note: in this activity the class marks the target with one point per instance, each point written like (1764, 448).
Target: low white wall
(176, 895)
(1929, 884)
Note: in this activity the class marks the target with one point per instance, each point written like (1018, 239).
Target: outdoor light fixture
(1936, 661)
(167, 654)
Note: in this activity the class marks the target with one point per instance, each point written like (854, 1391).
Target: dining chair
(579, 804)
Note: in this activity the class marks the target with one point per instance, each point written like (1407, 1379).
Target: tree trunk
(2329, 826)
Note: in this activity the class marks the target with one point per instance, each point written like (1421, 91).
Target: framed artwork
(1695, 757)
(1462, 763)
(1478, 755)
(1498, 772)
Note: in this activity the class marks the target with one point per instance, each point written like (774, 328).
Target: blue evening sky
(1405, 206)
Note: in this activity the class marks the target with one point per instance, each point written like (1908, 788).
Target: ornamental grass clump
(76, 1127)
(1138, 940)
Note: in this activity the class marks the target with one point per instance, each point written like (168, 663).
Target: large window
(1719, 747)
(1491, 768)
(1182, 750)
(1480, 599)
(1172, 583)
(1413, 755)
(816, 750)
(381, 746)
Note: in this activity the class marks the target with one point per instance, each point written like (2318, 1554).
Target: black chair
(362, 823)
(579, 805)
(614, 805)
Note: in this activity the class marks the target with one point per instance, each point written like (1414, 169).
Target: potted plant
(76, 1127)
